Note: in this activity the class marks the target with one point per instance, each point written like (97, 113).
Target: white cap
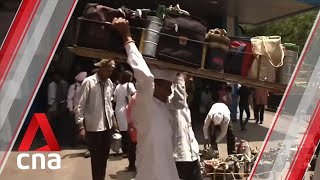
(81, 76)
(217, 118)
(164, 74)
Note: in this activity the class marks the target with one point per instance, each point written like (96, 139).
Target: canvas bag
(269, 56)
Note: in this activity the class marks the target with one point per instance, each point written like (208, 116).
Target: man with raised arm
(151, 114)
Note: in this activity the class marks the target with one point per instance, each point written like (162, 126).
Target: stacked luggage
(173, 35)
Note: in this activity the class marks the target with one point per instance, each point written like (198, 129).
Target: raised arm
(141, 70)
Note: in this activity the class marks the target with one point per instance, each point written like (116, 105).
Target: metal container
(116, 142)
(289, 63)
(150, 36)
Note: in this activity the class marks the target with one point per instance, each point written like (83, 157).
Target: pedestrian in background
(186, 147)
(57, 103)
(95, 116)
(73, 100)
(219, 119)
(122, 95)
(261, 99)
(244, 94)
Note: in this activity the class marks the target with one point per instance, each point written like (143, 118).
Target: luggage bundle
(95, 30)
(181, 39)
(240, 57)
(217, 49)
(171, 34)
(269, 57)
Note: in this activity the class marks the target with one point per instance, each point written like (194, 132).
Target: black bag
(95, 29)
(233, 62)
(181, 39)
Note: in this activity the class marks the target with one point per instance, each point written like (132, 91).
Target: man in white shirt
(219, 118)
(57, 105)
(122, 94)
(73, 100)
(95, 116)
(74, 92)
(150, 114)
(186, 149)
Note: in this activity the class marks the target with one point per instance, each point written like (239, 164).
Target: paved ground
(75, 167)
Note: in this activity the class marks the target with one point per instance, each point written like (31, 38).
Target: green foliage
(292, 30)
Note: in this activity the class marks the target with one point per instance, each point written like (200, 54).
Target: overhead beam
(203, 73)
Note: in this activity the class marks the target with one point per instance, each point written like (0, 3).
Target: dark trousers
(68, 129)
(129, 148)
(247, 110)
(259, 111)
(99, 147)
(132, 154)
(231, 139)
(189, 170)
(125, 141)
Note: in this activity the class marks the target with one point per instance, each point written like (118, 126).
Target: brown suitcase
(95, 29)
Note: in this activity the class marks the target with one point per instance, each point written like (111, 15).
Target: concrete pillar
(231, 26)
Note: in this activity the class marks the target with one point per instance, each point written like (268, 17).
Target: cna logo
(39, 120)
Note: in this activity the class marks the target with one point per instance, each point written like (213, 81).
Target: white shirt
(217, 108)
(186, 146)
(52, 94)
(120, 94)
(90, 107)
(74, 96)
(153, 121)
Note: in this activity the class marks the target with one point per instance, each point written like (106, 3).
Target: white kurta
(186, 147)
(153, 122)
(120, 94)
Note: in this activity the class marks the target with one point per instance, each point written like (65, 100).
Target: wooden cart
(198, 72)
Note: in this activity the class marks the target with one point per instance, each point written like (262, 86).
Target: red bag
(131, 128)
(248, 58)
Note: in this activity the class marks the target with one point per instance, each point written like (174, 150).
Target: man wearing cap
(74, 92)
(219, 117)
(186, 147)
(151, 114)
(95, 116)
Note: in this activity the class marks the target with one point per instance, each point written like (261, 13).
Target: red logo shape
(39, 120)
